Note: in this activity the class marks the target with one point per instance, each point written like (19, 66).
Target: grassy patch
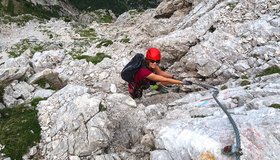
(42, 82)
(19, 130)
(104, 42)
(23, 45)
(87, 33)
(245, 83)
(93, 59)
(34, 102)
(275, 106)
(270, 70)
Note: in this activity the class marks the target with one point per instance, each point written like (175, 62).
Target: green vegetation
(1, 7)
(104, 42)
(125, 40)
(270, 70)
(245, 82)
(117, 6)
(103, 16)
(23, 45)
(101, 107)
(88, 33)
(10, 8)
(19, 130)
(244, 77)
(1, 94)
(232, 6)
(19, 20)
(34, 102)
(224, 87)
(93, 59)
(277, 106)
(43, 83)
(19, 7)
(67, 19)
(133, 12)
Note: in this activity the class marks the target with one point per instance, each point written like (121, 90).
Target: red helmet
(153, 54)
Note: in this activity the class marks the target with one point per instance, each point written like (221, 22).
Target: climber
(151, 74)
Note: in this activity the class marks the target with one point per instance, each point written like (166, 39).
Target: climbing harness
(234, 149)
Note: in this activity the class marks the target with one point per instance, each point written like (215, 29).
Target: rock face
(87, 113)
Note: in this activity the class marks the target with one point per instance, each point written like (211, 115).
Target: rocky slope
(87, 112)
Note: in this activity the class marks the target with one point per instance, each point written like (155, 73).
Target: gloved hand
(187, 82)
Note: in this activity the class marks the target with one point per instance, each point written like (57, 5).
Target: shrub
(93, 59)
(19, 130)
(275, 106)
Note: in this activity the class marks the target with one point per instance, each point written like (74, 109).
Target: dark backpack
(135, 89)
(132, 67)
